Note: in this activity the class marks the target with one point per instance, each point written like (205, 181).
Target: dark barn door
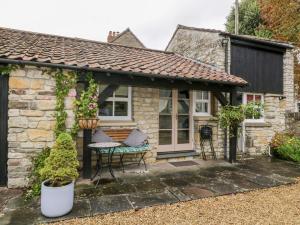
(3, 128)
(263, 69)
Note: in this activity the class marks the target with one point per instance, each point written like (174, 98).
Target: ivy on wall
(6, 69)
(65, 81)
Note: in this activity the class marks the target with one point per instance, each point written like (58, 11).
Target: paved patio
(163, 184)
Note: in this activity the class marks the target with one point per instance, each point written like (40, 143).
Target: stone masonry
(206, 46)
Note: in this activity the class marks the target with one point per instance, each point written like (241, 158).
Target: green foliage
(61, 165)
(64, 82)
(87, 104)
(5, 70)
(232, 116)
(289, 150)
(38, 163)
(249, 18)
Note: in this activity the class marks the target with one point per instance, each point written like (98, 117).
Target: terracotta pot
(88, 123)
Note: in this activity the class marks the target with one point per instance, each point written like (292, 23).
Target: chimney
(111, 36)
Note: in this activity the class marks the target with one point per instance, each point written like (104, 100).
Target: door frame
(4, 88)
(174, 147)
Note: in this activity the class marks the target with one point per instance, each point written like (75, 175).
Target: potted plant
(59, 174)
(87, 106)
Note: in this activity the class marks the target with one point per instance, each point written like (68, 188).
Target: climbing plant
(64, 82)
(232, 116)
(6, 69)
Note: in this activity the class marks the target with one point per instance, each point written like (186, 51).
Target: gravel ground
(279, 205)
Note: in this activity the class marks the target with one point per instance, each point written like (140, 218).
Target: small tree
(249, 18)
(61, 165)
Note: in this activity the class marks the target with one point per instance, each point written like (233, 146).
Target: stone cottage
(267, 65)
(164, 94)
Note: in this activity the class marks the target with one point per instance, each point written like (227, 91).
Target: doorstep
(177, 154)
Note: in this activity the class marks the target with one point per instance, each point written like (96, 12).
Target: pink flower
(72, 93)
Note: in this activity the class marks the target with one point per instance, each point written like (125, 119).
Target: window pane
(205, 95)
(183, 106)
(106, 109)
(165, 106)
(102, 87)
(165, 122)
(183, 94)
(122, 92)
(183, 122)
(165, 93)
(257, 98)
(183, 136)
(249, 98)
(202, 107)
(121, 108)
(165, 137)
(199, 95)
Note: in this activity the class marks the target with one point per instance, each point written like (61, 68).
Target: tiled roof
(45, 48)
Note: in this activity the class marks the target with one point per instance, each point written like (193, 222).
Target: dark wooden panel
(3, 128)
(142, 81)
(261, 68)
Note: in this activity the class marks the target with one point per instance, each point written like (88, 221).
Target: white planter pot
(57, 201)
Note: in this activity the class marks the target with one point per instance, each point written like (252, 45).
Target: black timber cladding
(259, 64)
(3, 128)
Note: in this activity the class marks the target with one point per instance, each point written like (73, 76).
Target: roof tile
(29, 46)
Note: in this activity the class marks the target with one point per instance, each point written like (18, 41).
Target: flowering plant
(87, 104)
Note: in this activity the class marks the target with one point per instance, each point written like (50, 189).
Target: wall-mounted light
(282, 97)
(225, 42)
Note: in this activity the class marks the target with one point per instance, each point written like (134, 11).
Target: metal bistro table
(103, 148)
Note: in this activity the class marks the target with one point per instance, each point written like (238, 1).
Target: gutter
(63, 66)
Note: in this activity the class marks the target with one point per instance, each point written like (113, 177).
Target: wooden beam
(87, 154)
(222, 99)
(143, 81)
(108, 91)
(3, 128)
(233, 137)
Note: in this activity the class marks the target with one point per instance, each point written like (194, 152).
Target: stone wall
(202, 46)
(31, 120)
(128, 39)
(206, 46)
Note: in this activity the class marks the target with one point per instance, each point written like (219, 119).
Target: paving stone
(142, 200)
(179, 194)
(196, 192)
(81, 208)
(21, 216)
(106, 204)
(118, 188)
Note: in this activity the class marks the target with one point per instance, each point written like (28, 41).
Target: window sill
(257, 124)
(116, 123)
(205, 118)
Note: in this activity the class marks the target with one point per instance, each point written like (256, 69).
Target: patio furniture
(206, 135)
(100, 149)
(120, 135)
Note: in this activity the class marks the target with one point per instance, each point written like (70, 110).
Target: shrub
(279, 139)
(38, 163)
(61, 165)
(290, 149)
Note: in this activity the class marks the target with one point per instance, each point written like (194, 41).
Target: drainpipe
(225, 42)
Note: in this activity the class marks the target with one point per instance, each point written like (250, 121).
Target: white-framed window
(257, 98)
(201, 103)
(118, 105)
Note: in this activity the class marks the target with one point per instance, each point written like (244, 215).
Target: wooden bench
(120, 135)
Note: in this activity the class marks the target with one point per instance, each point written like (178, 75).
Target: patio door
(175, 120)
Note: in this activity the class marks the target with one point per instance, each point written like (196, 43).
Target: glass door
(183, 121)
(166, 139)
(175, 121)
